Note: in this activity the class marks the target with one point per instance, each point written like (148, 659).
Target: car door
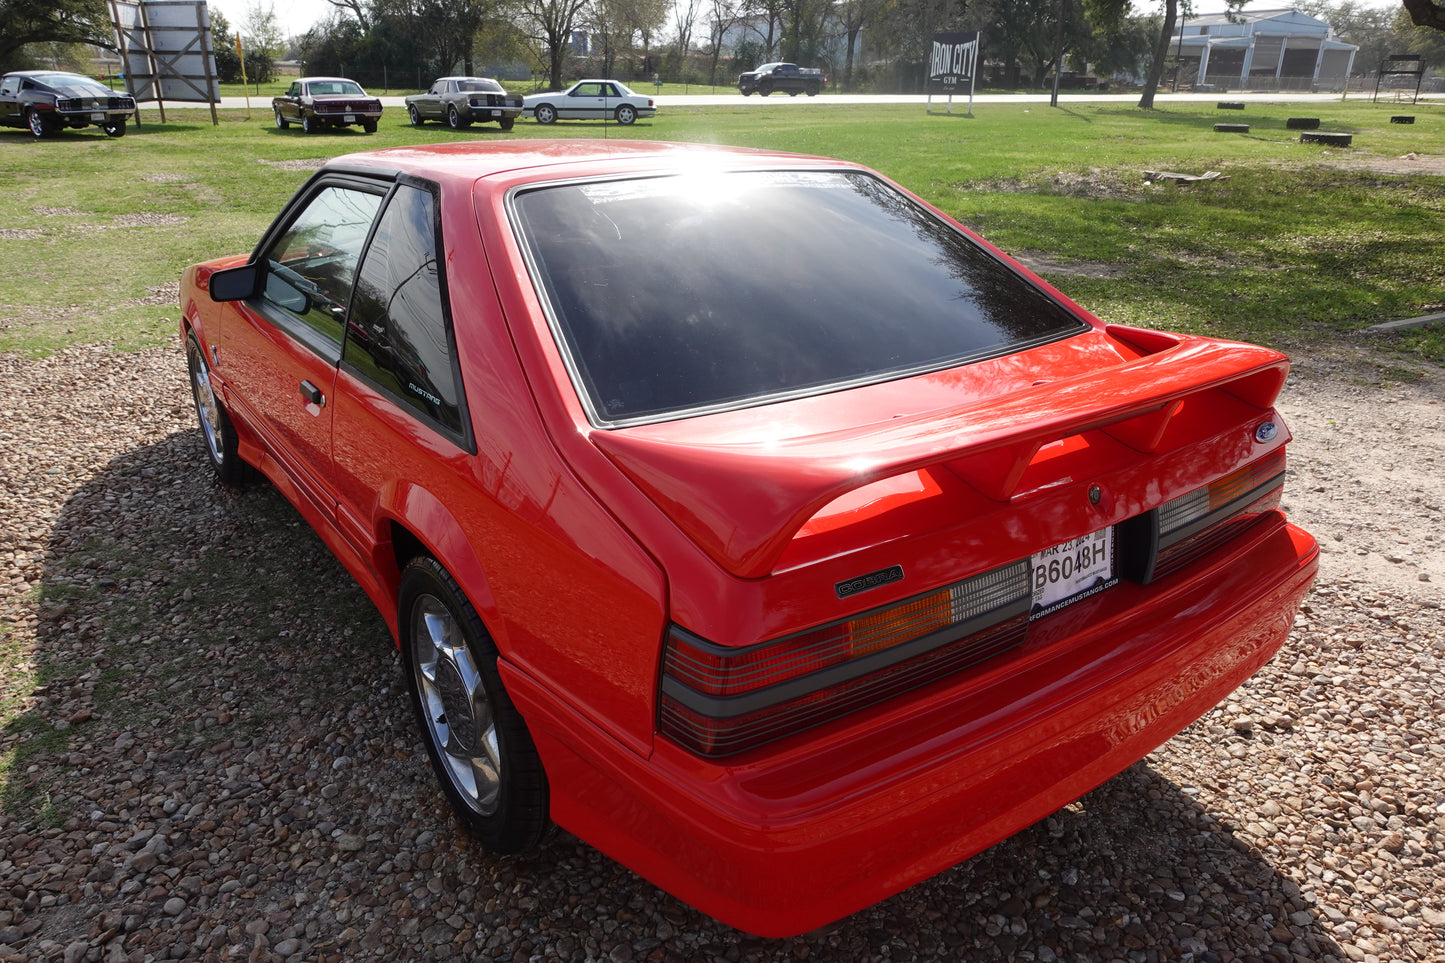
(400, 409)
(583, 102)
(280, 359)
(10, 113)
(290, 105)
(434, 107)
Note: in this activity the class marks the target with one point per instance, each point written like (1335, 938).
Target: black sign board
(952, 62)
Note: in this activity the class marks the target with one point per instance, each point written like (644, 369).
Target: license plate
(98, 116)
(351, 118)
(1072, 571)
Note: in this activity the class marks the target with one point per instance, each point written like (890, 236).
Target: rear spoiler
(743, 503)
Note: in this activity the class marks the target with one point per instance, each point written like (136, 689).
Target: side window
(399, 337)
(311, 267)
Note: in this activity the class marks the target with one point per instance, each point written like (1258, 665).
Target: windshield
(74, 83)
(678, 295)
(327, 88)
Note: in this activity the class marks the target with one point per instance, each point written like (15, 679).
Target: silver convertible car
(590, 100)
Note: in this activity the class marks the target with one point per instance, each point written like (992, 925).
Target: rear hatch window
(682, 295)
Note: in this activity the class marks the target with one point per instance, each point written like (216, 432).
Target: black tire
(545, 114)
(626, 115)
(455, 120)
(217, 432)
(38, 123)
(507, 123)
(309, 124)
(369, 126)
(114, 128)
(487, 764)
(414, 115)
(813, 90)
(281, 122)
(765, 88)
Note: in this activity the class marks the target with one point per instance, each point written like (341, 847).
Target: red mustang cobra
(816, 555)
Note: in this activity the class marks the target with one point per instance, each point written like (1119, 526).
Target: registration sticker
(1072, 571)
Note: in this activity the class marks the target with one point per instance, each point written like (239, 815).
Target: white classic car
(590, 100)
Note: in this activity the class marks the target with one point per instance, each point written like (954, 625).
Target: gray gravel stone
(237, 743)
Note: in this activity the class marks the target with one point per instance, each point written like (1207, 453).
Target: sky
(295, 17)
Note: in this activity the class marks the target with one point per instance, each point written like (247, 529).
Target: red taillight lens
(718, 701)
(1193, 525)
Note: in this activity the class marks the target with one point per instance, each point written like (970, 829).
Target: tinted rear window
(680, 295)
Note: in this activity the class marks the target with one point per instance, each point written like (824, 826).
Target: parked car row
(459, 102)
(48, 101)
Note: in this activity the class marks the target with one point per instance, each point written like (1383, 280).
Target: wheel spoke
(455, 705)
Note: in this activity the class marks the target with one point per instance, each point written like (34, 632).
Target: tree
(1161, 54)
(684, 18)
(51, 21)
(549, 24)
(722, 16)
(1426, 13)
(223, 43)
(854, 16)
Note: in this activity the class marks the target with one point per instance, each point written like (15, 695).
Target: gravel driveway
(210, 754)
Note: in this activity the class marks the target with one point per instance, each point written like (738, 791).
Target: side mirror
(234, 284)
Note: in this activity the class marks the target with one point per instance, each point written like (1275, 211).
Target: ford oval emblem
(1266, 432)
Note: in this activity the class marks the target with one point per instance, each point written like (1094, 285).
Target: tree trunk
(1161, 53)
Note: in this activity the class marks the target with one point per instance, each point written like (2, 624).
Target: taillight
(1191, 526)
(718, 701)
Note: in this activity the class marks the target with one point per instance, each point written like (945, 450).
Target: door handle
(312, 394)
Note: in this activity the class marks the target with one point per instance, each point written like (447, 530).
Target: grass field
(1298, 243)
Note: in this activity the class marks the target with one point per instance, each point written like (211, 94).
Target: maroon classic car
(317, 102)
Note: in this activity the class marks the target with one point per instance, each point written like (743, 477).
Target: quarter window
(398, 335)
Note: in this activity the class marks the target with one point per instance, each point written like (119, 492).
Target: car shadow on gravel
(219, 761)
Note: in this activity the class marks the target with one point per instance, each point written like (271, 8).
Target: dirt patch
(307, 164)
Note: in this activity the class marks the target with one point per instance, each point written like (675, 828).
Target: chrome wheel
(208, 410)
(281, 122)
(222, 444)
(455, 707)
(476, 740)
(36, 121)
(415, 115)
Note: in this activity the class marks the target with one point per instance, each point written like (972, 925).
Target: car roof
(471, 160)
(48, 73)
(309, 80)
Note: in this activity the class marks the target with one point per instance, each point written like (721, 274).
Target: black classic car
(317, 102)
(462, 100)
(48, 101)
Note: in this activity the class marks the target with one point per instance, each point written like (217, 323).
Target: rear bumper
(802, 833)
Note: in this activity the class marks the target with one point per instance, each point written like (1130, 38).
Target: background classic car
(317, 102)
(590, 100)
(459, 101)
(48, 101)
(788, 576)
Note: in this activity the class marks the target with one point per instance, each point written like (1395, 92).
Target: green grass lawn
(1299, 243)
